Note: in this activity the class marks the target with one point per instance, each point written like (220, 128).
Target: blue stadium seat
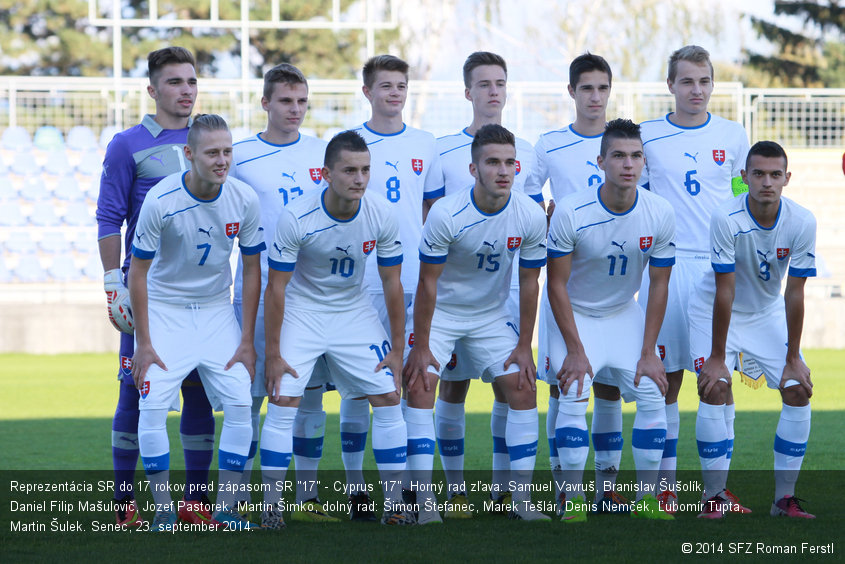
(63, 269)
(55, 243)
(90, 164)
(88, 246)
(57, 163)
(20, 243)
(33, 189)
(106, 134)
(81, 138)
(12, 214)
(78, 213)
(44, 214)
(7, 189)
(16, 139)
(24, 164)
(93, 269)
(29, 269)
(48, 138)
(68, 189)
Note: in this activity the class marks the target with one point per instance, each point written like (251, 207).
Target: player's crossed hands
(575, 367)
(274, 368)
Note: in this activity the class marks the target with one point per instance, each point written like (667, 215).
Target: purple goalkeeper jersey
(136, 160)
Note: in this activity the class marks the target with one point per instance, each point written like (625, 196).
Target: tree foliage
(812, 55)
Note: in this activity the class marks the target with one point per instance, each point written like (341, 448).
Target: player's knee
(718, 394)
(554, 391)
(794, 395)
(453, 392)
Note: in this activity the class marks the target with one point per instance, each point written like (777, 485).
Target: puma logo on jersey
(717, 253)
(344, 251)
(620, 245)
(553, 240)
(291, 176)
(394, 165)
(491, 245)
(277, 247)
(139, 235)
(764, 255)
(594, 165)
(429, 245)
(159, 159)
(206, 231)
(693, 157)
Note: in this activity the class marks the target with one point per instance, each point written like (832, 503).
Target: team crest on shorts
(145, 389)
(661, 350)
(514, 243)
(411, 340)
(518, 167)
(548, 363)
(453, 362)
(645, 243)
(369, 246)
(719, 156)
(783, 253)
(417, 166)
(232, 229)
(316, 175)
(126, 365)
(698, 363)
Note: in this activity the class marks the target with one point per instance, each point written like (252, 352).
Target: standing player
(469, 246)
(315, 306)
(485, 77)
(136, 160)
(567, 159)
(693, 159)
(281, 164)
(600, 241)
(757, 240)
(405, 169)
(179, 285)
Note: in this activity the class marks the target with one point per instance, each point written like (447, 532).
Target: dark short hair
(587, 63)
(490, 134)
(385, 63)
(619, 129)
(284, 73)
(204, 122)
(690, 53)
(156, 60)
(767, 149)
(344, 141)
(480, 58)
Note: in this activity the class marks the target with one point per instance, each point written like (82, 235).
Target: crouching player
(469, 246)
(756, 241)
(600, 241)
(314, 305)
(179, 286)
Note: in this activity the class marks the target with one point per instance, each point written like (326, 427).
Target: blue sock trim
(712, 450)
(553, 446)
(571, 437)
(782, 446)
(608, 441)
(517, 452)
(451, 447)
(649, 439)
(230, 461)
(500, 446)
(275, 459)
(670, 448)
(310, 448)
(729, 448)
(156, 464)
(419, 446)
(253, 448)
(393, 455)
(352, 442)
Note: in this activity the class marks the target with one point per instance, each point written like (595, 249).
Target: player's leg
(421, 437)
(501, 464)
(606, 431)
(354, 424)
(124, 438)
(196, 428)
(450, 428)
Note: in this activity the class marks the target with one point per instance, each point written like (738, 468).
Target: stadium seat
(24, 164)
(29, 269)
(81, 138)
(86, 245)
(44, 215)
(106, 134)
(33, 189)
(7, 189)
(12, 214)
(68, 189)
(20, 243)
(57, 163)
(16, 139)
(63, 269)
(78, 213)
(90, 163)
(93, 269)
(48, 138)
(55, 243)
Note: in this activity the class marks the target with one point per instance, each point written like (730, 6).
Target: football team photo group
(395, 268)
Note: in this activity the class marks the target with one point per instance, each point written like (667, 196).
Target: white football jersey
(479, 250)
(328, 255)
(278, 174)
(455, 157)
(405, 170)
(694, 168)
(761, 257)
(610, 251)
(190, 240)
(568, 160)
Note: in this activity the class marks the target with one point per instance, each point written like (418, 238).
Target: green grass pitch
(55, 418)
